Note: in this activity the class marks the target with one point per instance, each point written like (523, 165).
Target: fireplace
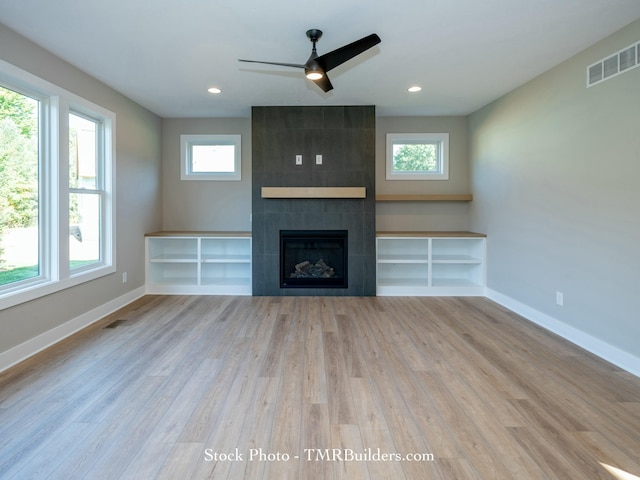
(313, 259)
(345, 136)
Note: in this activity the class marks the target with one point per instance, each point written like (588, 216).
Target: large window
(20, 121)
(417, 156)
(56, 185)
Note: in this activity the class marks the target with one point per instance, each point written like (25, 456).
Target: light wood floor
(472, 389)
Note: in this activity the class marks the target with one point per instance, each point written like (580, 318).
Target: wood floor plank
(561, 441)
(256, 430)
(346, 337)
(339, 397)
(315, 437)
(606, 452)
(374, 430)
(314, 385)
(487, 394)
(347, 438)
(286, 431)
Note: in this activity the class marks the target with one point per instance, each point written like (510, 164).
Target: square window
(417, 156)
(210, 157)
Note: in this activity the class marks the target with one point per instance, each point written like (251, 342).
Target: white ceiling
(164, 54)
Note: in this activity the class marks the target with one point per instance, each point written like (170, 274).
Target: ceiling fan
(316, 67)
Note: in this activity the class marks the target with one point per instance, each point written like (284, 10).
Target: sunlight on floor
(619, 474)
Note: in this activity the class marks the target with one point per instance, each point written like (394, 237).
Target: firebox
(313, 258)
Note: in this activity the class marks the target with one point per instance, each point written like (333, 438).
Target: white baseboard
(608, 352)
(29, 348)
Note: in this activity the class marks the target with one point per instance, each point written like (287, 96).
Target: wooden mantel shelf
(462, 197)
(314, 192)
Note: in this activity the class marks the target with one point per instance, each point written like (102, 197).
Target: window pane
(84, 229)
(83, 147)
(213, 158)
(419, 158)
(19, 189)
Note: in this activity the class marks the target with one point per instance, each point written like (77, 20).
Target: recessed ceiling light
(414, 89)
(214, 90)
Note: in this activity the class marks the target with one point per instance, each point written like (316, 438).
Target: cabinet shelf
(226, 258)
(174, 258)
(199, 263)
(403, 258)
(455, 259)
(227, 281)
(430, 263)
(454, 282)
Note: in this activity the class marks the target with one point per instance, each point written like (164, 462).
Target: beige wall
(137, 196)
(424, 215)
(556, 180)
(215, 205)
(204, 205)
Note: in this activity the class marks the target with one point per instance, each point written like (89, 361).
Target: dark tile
(345, 136)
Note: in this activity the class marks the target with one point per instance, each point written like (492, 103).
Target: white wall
(556, 183)
(204, 205)
(138, 211)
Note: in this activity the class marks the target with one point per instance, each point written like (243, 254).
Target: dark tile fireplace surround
(345, 137)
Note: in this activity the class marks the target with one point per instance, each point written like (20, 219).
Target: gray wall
(204, 205)
(556, 179)
(424, 215)
(137, 195)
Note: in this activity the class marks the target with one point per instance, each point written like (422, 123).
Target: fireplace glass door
(313, 259)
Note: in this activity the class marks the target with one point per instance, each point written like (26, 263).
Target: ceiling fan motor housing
(314, 34)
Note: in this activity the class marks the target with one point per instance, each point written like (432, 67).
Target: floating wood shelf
(191, 233)
(314, 192)
(462, 197)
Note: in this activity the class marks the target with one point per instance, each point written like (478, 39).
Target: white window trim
(188, 141)
(54, 182)
(443, 161)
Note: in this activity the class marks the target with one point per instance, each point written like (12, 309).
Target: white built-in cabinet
(430, 263)
(213, 263)
(407, 263)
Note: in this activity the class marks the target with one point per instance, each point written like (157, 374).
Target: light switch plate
(318, 159)
(298, 159)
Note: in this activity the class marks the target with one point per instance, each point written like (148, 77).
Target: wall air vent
(620, 62)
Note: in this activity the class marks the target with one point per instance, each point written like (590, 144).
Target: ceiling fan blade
(339, 56)
(324, 83)
(294, 65)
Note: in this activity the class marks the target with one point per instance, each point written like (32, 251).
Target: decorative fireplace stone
(345, 137)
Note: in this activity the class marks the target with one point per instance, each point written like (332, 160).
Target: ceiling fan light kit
(316, 67)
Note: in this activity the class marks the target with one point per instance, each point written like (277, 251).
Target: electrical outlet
(559, 299)
(124, 277)
(298, 159)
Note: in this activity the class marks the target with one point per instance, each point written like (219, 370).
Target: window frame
(56, 105)
(187, 142)
(102, 134)
(439, 139)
